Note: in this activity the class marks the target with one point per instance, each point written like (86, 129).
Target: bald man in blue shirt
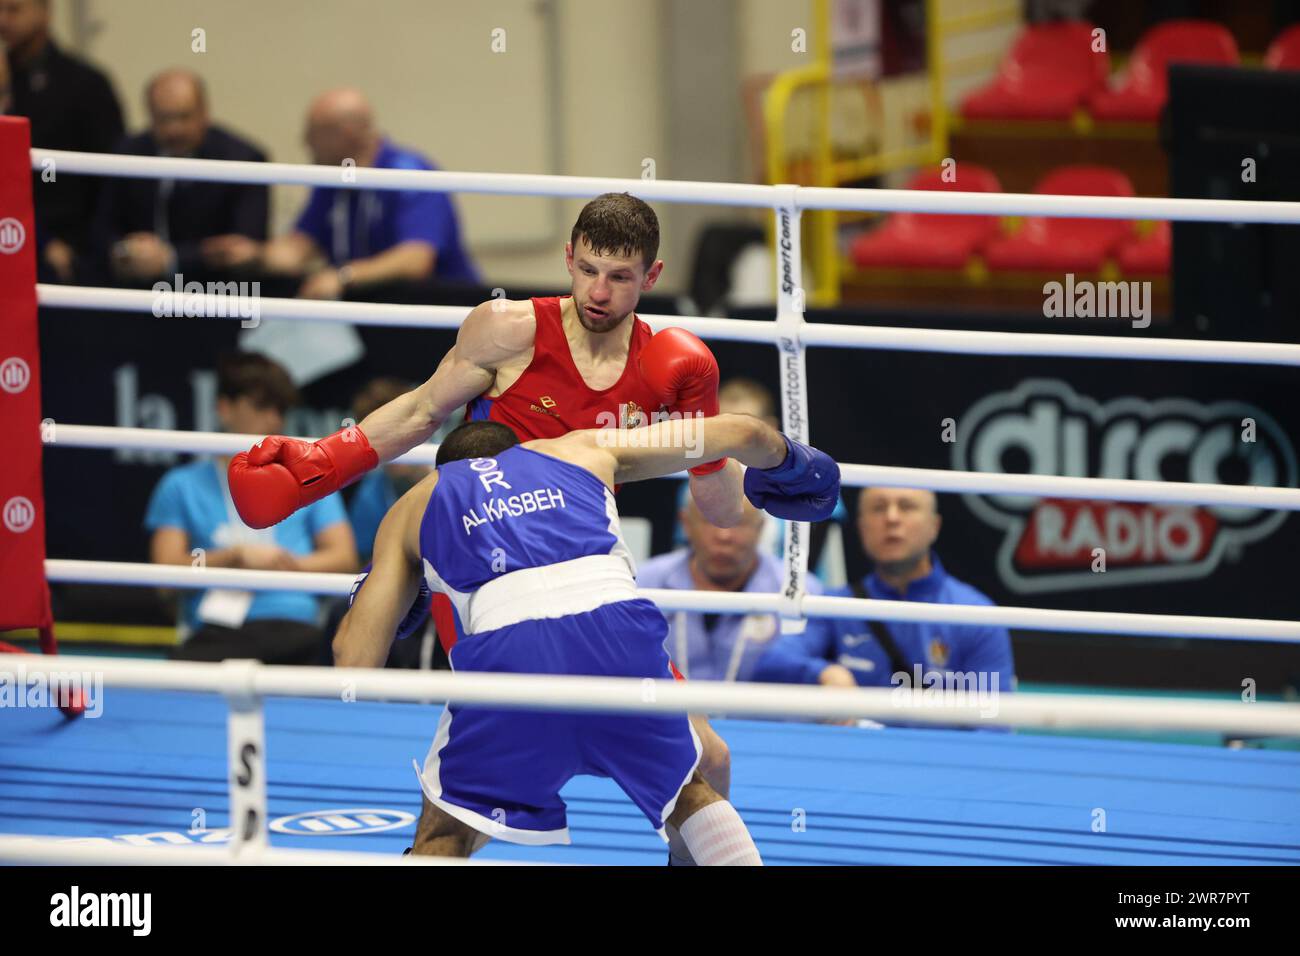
(719, 646)
(898, 527)
(365, 237)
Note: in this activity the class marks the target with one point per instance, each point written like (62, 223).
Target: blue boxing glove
(415, 617)
(804, 487)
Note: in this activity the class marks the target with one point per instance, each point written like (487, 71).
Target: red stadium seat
(1142, 91)
(1284, 52)
(1048, 74)
(1066, 245)
(1148, 255)
(909, 240)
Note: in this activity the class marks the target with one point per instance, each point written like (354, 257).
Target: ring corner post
(22, 499)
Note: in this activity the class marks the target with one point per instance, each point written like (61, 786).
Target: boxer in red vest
(543, 367)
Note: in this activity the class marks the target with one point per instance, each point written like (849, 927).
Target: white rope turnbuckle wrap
(794, 394)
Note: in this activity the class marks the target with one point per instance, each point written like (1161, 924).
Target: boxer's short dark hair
(475, 440)
(619, 224)
(263, 381)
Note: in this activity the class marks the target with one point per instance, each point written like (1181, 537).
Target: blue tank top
(488, 517)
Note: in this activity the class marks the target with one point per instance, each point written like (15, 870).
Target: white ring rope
(722, 194)
(645, 696)
(60, 435)
(1039, 344)
(854, 476)
(89, 851)
(633, 695)
(722, 602)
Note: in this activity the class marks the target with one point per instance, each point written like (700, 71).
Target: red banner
(1072, 534)
(24, 594)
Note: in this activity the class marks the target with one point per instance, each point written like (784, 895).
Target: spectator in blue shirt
(898, 528)
(719, 646)
(193, 522)
(379, 490)
(363, 237)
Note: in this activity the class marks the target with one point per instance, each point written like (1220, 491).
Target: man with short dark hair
(71, 105)
(149, 228)
(898, 528)
(525, 540)
(193, 522)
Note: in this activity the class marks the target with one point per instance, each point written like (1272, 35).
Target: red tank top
(550, 398)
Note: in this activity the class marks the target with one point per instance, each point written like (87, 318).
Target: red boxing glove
(683, 374)
(279, 475)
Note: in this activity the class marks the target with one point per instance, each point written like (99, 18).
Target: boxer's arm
(622, 455)
(683, 373)
(366, 632)
(719, 495)
(492, 334)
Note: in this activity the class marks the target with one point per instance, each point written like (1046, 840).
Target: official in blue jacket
(898, 528)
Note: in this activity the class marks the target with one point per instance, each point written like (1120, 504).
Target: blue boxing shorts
(501, 771)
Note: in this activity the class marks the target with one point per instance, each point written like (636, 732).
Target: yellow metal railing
(821, 167)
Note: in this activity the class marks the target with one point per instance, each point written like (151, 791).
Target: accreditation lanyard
(681, 657)
(238, 530)
(161, 217)
(225, 606)
(368, 212)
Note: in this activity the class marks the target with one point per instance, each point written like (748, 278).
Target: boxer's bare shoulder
(497, 332)
(498, 335)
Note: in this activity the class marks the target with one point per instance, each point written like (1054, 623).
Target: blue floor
(155, 763)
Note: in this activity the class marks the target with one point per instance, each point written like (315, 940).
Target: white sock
(677, 849)
(716, 836)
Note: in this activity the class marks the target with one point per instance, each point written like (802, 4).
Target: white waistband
(570, 587)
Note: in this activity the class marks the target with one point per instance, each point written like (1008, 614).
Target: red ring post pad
(26, 601)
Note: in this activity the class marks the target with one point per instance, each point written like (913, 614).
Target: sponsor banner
(1046, 427)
